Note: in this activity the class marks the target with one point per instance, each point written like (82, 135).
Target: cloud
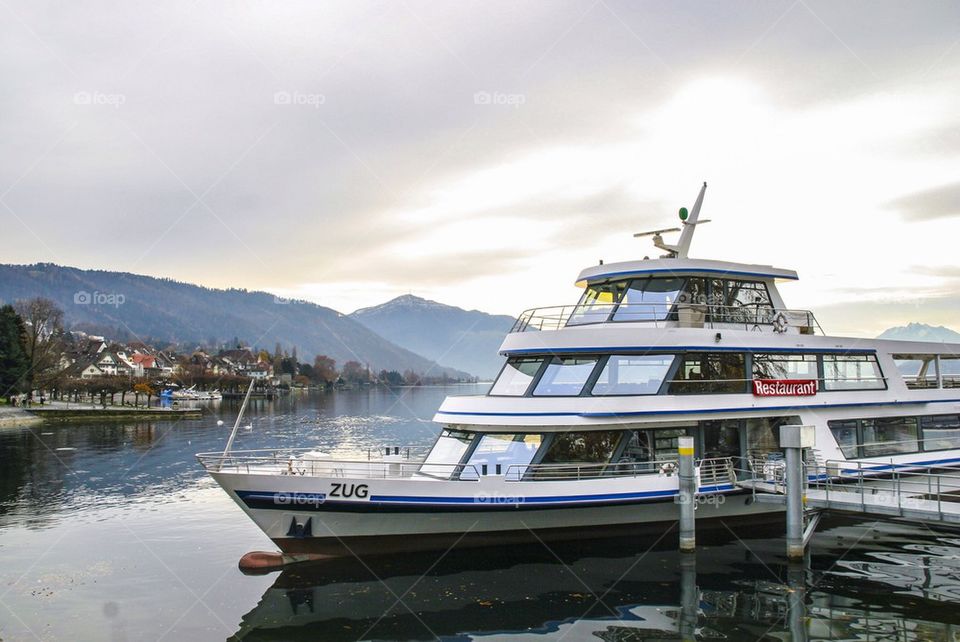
(942, 201)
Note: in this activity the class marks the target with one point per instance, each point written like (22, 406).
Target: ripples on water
(113, 531)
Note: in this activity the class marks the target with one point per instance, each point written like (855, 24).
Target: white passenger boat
(578, 435)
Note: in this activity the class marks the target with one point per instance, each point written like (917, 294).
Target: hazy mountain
(921, 332)
(463, 339)
(126, 306)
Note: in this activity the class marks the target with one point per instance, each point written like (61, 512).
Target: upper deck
(677, 293)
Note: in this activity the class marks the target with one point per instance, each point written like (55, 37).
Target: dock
(109, 413)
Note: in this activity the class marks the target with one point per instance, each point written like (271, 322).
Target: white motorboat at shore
(578, 435)
(192, 394)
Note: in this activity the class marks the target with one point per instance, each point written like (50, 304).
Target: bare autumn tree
(325, 369)
(44, 338)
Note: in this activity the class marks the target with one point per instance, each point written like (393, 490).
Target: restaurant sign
(784, 387)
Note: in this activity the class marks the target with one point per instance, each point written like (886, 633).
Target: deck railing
(293, 462)
(749, 317)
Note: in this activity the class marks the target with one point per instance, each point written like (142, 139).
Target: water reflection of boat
(611, 590)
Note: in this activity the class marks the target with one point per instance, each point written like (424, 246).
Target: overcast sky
(482, 153)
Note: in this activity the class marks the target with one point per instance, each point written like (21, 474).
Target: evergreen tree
(13, 354)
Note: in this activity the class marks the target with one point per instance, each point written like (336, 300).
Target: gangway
(900, 491)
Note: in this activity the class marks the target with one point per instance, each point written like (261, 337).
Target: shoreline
(54, 413)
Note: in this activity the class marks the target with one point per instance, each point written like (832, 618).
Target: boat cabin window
(883, 436)
(516, 377)
(889, 436)
(845, 432)
(446, 453)
(597, 302)
(648, 299)
(852, 372)
(763, 434)
(564, 376)
(710, 373)
(940, 432)
(633, 375)
(588, 447)
(496, 453)
(785, 366)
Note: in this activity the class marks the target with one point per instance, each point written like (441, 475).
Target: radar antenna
(690, 222)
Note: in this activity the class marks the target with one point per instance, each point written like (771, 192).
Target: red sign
(784, 387)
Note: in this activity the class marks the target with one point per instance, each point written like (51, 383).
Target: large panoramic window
(940, 432)
(852, 372)
(446, 453)
(496, 453)
(648, 299)
(785, 366)
(889, 436)
(632, 375)
(709, 373)
(597, 303)
(589, 447)
(564, 376)
(516, 377)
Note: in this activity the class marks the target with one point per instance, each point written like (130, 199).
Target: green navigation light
(684, 213)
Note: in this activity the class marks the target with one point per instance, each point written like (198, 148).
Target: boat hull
(310, 516)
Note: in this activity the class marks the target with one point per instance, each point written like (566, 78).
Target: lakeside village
(44, 365)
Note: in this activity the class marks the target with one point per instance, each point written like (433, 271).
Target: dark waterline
(112, 531)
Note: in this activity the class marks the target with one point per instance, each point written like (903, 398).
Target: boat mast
(690, 221)
(689, 225)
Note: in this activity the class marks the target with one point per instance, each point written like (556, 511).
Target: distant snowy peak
(921, 332)
(405, 302)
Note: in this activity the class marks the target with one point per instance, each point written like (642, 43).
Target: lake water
(114, 532)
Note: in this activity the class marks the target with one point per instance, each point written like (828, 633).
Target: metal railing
(927, 382)
(294, 462)
(902, 486)
(717, 471)
(564, 472)
(689, 315)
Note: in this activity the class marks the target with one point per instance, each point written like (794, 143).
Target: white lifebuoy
(780, 323)
(668, 468)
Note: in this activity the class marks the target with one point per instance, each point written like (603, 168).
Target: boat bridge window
(516, 376)
(597, 302)
(564, 376)
(648, 299)
(495, 453)
(852, 372)
(632, 375)
(710, 373)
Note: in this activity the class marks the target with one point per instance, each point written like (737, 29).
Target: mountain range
(463, 339)
(921, 332)
(125, 306)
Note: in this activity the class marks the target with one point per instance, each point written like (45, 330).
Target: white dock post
(688, 495)
(793, 439)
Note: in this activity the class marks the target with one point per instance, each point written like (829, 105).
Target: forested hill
(464, 339)
(126, 306)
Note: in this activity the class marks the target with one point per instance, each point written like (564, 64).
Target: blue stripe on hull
(412, 503)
